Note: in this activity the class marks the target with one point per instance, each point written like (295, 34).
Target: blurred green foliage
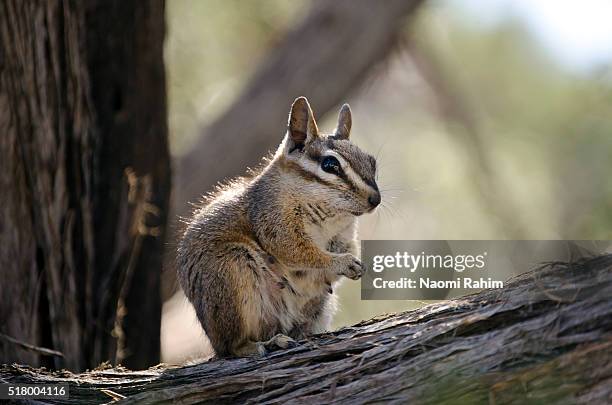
(549, 129)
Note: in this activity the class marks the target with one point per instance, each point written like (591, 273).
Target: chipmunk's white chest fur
(326, 227)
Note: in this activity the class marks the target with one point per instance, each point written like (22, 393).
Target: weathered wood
(545, 338)
(84, 180)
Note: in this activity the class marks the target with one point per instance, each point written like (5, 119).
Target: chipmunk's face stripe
(357, 172)
(351, 176)
(306, 172)
(345, 173)
(312, 164)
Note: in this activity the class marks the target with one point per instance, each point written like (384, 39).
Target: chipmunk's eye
(330, 165)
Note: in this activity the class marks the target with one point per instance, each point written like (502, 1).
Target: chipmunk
(260, 260)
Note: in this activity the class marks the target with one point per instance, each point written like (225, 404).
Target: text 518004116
(29, 391)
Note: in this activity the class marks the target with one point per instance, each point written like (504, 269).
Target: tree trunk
(327, 54)
(85, 180)
(545, 338)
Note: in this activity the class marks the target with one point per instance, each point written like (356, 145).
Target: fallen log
(545, 338)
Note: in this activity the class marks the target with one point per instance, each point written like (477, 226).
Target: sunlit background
(491, 120)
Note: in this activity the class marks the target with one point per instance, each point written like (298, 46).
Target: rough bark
(125, 62)
(84, 175)
(545, 338)
(323, 58)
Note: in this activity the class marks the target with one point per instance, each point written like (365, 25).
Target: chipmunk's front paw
(349, 266)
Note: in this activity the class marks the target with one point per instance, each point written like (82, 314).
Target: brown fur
(261, 257)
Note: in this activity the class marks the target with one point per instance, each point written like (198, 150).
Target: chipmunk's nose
(374, 199)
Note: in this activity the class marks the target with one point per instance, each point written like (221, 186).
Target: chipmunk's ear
(345, 120)
(302, 127)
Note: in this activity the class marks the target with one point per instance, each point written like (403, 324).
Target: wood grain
(545, 338)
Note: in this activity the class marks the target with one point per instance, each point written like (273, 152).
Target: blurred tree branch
(324, 57)
(544, 338)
